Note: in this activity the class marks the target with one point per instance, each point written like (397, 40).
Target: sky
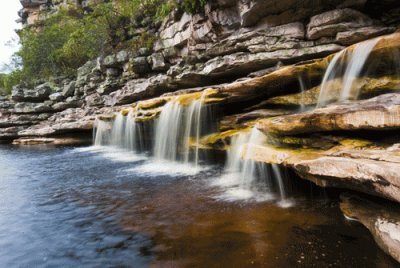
(8, 16)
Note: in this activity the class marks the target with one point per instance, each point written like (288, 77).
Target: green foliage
(66, 40)
(188, 6)
(7, 81)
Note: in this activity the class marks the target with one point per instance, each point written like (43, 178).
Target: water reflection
(66, 207)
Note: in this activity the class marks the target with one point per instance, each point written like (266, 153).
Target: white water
(178, 130)
(246, 179)
(302, 92)
(347, 66)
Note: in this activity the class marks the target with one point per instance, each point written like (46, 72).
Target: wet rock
(379, 113)
(381, 219)
(366, 86)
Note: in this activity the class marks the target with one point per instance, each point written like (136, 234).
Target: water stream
(345, 67)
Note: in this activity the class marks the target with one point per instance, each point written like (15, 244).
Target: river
(90, 207)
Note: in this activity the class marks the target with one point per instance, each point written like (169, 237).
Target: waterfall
(347, 66)
(123, 133)
(102, 132)
(245, 178)
(178, 129)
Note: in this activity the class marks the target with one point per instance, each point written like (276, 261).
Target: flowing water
(91, 207)
(346, 66)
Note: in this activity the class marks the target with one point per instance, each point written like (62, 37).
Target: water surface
(89, 207)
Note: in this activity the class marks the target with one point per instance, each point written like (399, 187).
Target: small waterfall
(102, 132)
(179, 128)
(247, 179)
(123, 133)
(302, 92)
(347, 66)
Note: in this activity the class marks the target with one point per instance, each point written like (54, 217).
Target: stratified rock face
(382, 220)
(38, 94)
(379, 113)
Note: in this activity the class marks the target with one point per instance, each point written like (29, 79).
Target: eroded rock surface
(381, 219)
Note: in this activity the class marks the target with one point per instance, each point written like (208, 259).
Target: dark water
(65, 207)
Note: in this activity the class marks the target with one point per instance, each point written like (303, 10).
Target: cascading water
(178, 129)
(120, 133)
(346, 67)
(245, 178)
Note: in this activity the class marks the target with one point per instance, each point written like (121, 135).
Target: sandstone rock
(381, 219)
(382, 112)
(94, 100)
(28, 107)
(366, 86)
(39, 93)
(334, 21)
(361, 34)
(60, 106)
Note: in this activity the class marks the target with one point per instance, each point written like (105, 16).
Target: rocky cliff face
(262, 63)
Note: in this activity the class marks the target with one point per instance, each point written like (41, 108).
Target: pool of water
(92, 207)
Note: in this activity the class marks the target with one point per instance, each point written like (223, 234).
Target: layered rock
(382, 220)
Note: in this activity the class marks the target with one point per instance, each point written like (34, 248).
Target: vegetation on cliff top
(64, 41)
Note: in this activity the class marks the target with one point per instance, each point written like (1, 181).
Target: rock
(60, 106)
(366, 86)
(39, 93)
(381, 219)
(108, 86)
(379, 113)
(94, 100)
(240, 63)
(28, 107)
(86, 68)
(361, 34)
(113, 72)
(69, 89)
(139, 65)
(334, 21)
(139, 89)
(56, 96)
(122, 56)
(110, 61)
(157, 62)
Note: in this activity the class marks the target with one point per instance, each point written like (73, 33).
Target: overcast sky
(8, 16)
